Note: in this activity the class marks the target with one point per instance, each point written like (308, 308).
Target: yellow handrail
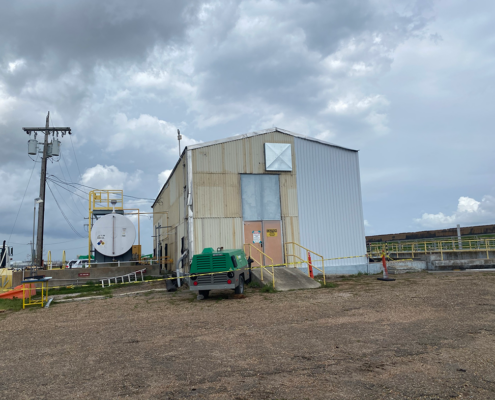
(262, 266)
(294, 255)
(433, 246)
(49, 260)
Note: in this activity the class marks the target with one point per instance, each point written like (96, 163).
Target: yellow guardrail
(49, 263)
(262, 267)
(432, 246)
(308, 251)
(261, 263)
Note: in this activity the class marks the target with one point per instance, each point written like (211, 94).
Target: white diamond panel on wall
(278, 157)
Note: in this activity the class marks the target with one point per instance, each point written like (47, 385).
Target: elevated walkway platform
(285, 279)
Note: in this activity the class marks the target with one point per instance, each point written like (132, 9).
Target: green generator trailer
(221, 269)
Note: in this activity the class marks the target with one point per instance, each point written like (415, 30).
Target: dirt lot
(425, 336)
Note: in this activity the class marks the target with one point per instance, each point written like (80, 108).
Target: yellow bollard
(63, 260)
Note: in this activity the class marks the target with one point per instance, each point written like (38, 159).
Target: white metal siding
(330, 206)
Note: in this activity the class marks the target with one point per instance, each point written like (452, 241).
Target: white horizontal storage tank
(113, 235)
(331, 219)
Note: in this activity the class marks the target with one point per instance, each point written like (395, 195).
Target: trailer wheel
(240, 288)
(204, 293)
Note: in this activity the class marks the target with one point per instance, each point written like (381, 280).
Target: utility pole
(41, 206)
(54, 150)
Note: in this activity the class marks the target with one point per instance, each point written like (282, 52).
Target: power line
(51, 244)
(24, 195)
(66, 167)
(63, 197)
(90, 187)
(70, 179)
(67, 241)
(65, 163)
(60, 166)
(68, 184)
(61, 211)
(79, 247)
(75, 194)
(77, 163)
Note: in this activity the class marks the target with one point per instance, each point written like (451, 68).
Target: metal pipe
(177, 270)
(113, 234)
(32, 246)
(90, 220)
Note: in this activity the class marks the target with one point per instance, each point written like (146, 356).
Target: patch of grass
(268, 289)
(11, 305)
(328, 284)
(93, 287)
(253, 284)
(75, 289)
(103, 292)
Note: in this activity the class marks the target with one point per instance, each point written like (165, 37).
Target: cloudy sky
(408, 83)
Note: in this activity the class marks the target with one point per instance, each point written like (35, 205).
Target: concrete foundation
(433, 262)
(79, 276)
(461, 264)
(446, 255)
(401, 267)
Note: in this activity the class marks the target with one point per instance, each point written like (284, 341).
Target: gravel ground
(425, 336)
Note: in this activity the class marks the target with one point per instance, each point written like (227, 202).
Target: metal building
(269, 188)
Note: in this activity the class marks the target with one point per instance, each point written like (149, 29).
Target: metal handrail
(294, 255)
(49, 260)
(432, 246)
(101, 199)
(262, 266)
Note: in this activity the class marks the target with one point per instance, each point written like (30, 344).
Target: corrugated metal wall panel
(243, 156)
(291, 229)
(217, 195)
(233, 157)
(217, 232)
(171, 199)
(172, 188)
(329, 202)
(288, 195)
(226, 161)
(208, 159)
